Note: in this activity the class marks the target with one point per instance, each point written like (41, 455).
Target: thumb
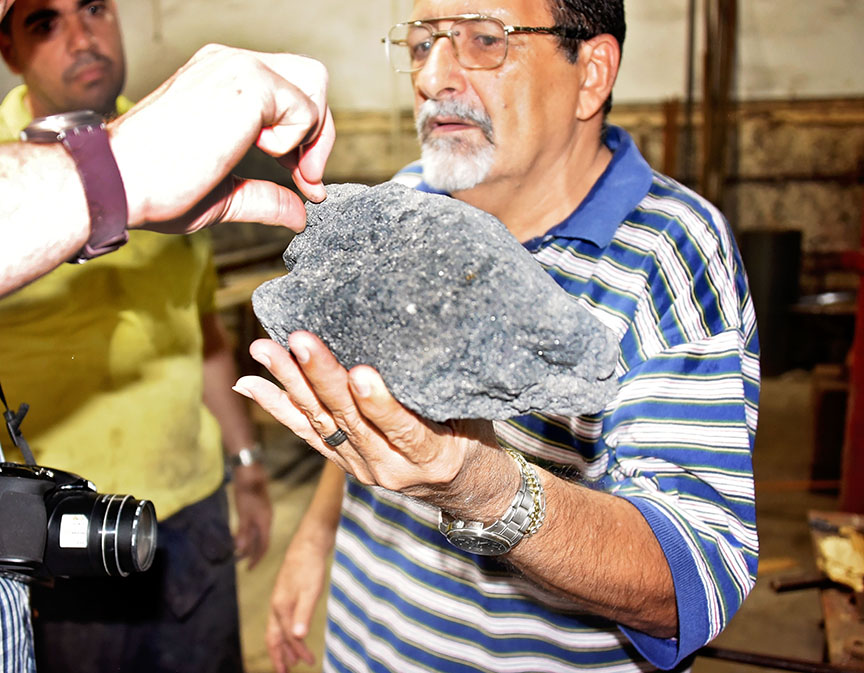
(303, 612)
(238, 200)
(264, 202)
(241, 540)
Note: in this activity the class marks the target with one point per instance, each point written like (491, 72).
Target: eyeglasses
(479, 42)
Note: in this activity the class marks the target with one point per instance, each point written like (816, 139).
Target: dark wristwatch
(84, 135)
(522, 519)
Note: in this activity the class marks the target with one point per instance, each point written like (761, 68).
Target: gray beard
(452, 164)
(452, 167)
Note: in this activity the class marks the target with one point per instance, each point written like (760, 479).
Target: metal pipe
(686, 167)
(770, 661)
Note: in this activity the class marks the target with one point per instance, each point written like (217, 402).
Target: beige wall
(796, 139)
(789, 48)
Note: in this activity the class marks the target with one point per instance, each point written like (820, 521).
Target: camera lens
(144, 537)
(128, 534)
(99, 534)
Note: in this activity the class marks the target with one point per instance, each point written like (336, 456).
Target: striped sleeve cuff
(693, 627)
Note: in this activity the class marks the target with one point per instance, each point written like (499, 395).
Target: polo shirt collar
(621, 188)
(624, 183)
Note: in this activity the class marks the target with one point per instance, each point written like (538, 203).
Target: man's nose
(79, 33)
(441, 74)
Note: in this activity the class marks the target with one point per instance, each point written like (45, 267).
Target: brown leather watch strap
(85, 137)
(103, 187)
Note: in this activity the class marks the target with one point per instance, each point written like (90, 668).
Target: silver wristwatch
(246, 456)
(522, 519)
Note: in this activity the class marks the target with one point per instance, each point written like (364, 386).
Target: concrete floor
(294, 468)
(785, 624)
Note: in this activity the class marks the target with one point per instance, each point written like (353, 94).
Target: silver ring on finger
(336, 438)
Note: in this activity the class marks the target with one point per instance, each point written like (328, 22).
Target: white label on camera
(73, 531)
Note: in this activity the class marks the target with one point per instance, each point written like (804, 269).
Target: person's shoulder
(679, 203)
(202, 239)
(6, 134)
(14, 114)
(124, 105)
(410, 175)
(664, 186)
(680, 216)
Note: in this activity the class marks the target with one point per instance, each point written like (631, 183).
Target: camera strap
(13, 425)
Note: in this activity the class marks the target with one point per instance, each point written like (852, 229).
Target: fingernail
(301, 353)
(242, 391)
(261, 358)
(361, 387)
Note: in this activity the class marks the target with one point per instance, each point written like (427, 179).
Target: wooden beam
(852, 475)
(670, 138)
(721, 25)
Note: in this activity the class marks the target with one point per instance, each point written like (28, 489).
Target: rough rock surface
(439, 297)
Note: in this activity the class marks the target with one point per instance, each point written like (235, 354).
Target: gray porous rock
(442, 300)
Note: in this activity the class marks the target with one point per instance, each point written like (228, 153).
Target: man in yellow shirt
(127, 370)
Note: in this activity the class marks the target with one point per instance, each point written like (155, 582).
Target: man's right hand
(176, 148)
(304, 574)
(175, 151)
(298, 588)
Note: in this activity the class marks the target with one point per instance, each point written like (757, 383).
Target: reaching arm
(303, 574)
(175, 162)
(28, 196)
(254, 511)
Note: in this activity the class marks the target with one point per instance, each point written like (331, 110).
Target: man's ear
(600, 57)
(8, 53)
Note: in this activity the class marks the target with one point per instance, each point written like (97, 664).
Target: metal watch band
(246, 456)
(522, 519)
(85, 137)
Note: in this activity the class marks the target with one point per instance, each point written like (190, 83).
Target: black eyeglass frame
(566, 32)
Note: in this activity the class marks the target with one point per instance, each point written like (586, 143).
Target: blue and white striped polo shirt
(658, 265)
(16, 631)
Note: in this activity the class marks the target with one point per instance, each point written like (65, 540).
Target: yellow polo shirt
(108, 355)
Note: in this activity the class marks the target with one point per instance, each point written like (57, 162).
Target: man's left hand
(254, 512)
(387, 445)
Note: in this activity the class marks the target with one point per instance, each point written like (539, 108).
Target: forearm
(318, 525)
(39, 185)
(220, 373)
(593, 548)
(598, 550)
(460, 468)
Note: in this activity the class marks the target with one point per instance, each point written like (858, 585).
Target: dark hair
(6, 22)
(589, 17)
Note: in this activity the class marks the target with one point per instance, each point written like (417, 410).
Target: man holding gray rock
(620, 540)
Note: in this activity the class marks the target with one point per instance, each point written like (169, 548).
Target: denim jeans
(179, 616)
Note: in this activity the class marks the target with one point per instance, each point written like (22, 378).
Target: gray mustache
(452, 108)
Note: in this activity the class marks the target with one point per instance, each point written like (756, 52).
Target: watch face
(478, 543)
(47, 129)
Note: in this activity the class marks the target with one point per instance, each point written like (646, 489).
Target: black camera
(54, 523)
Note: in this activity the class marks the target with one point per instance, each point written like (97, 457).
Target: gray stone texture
(439, 297)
